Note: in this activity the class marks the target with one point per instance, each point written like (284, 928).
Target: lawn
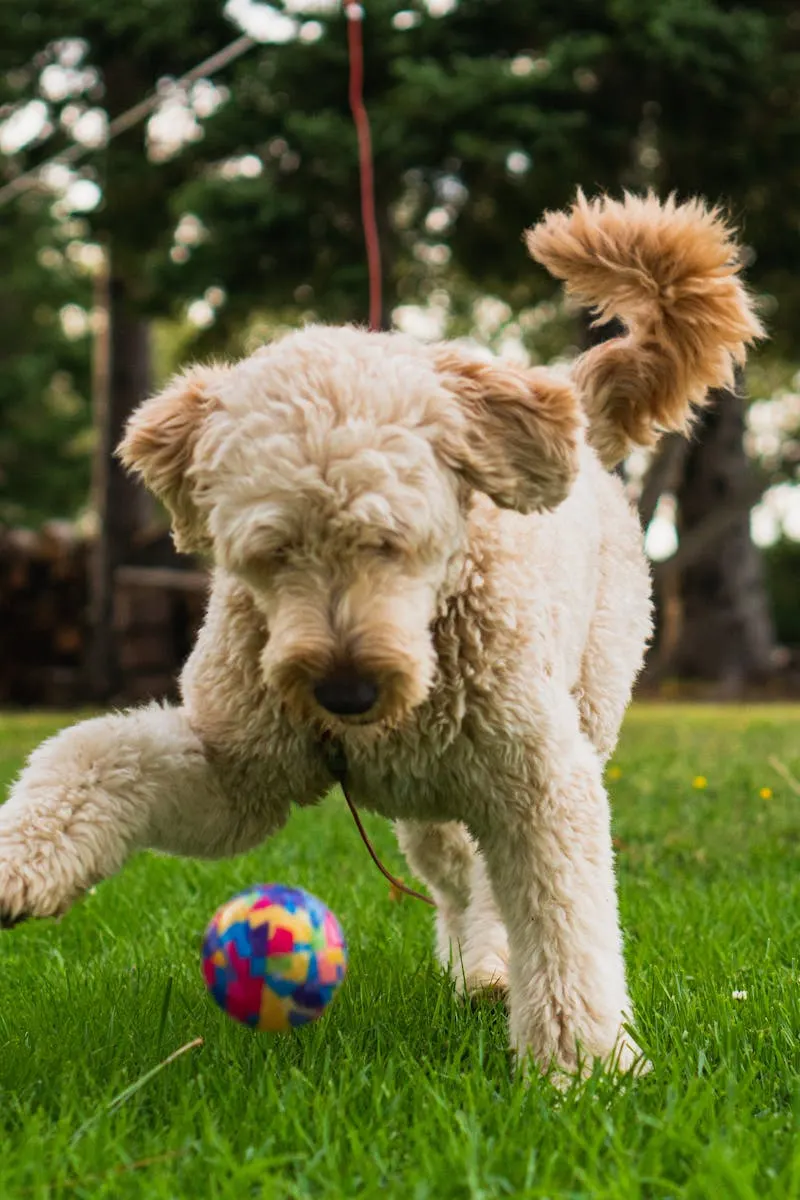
(400, 1091)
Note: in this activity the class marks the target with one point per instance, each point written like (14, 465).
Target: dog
(424, 560)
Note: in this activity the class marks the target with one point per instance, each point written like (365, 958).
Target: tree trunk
(122, 375)
(122, 381)
(726, 633)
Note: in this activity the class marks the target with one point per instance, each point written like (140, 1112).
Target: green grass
(399, 1091)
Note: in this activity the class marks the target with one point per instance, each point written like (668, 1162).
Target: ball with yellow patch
(274, 957)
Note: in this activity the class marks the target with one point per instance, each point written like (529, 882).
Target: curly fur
(441, 525)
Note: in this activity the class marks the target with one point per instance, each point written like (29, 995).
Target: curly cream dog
(423, 557)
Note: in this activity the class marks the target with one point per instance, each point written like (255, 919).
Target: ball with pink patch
(274, 957)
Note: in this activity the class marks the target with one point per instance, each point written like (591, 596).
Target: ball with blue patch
(274, 957)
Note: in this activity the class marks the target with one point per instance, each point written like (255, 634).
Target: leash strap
(396, 883)
(337, 765)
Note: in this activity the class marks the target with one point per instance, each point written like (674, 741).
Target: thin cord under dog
(396, 883)
(354, 14)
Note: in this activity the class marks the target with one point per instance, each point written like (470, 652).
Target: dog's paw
(486, 980)
(13, 904)
(627, 1058)
(573, 1056)
(33, 883)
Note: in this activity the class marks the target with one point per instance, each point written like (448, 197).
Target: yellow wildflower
(699, 782)
(766, 793)
(615, 772)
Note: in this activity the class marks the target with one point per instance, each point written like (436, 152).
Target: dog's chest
(397, 794)
(437, 766)
(422, 778)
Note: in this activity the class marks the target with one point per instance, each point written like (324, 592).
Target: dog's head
(331, 473)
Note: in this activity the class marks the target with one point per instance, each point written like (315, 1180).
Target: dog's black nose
(346, 694)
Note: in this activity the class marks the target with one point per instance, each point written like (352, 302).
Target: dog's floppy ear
(159, 445)
(521, 429)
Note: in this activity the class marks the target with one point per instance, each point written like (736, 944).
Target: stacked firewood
(43, 600)
(44, 619)
(157, 612)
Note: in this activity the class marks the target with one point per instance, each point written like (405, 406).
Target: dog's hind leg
(620, 628)
(470, 936)
(482, 964)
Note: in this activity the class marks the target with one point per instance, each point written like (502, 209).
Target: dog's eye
(388, 548)
(260, 568)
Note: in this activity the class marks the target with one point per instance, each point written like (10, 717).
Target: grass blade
(133, 1088)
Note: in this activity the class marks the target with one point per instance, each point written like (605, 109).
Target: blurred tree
(730, 133)
(783, 572)
(724, 631)
(481, 118)
(727, 633)
(512, 134)
(45, 414)
(79, 59)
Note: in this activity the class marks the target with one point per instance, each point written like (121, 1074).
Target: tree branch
(694, 544)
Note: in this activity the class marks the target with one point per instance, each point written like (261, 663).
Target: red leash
(355, 15)
(396, 883)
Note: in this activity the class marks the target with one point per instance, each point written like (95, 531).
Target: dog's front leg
(96, 792)
(547, 844)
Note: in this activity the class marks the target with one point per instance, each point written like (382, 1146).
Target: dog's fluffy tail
(669, 271)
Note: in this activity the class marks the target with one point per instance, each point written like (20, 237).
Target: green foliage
(45, 384)
(689, 96)
(401, 1091)
(481, 119)
(44, 381)
(782, 566)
